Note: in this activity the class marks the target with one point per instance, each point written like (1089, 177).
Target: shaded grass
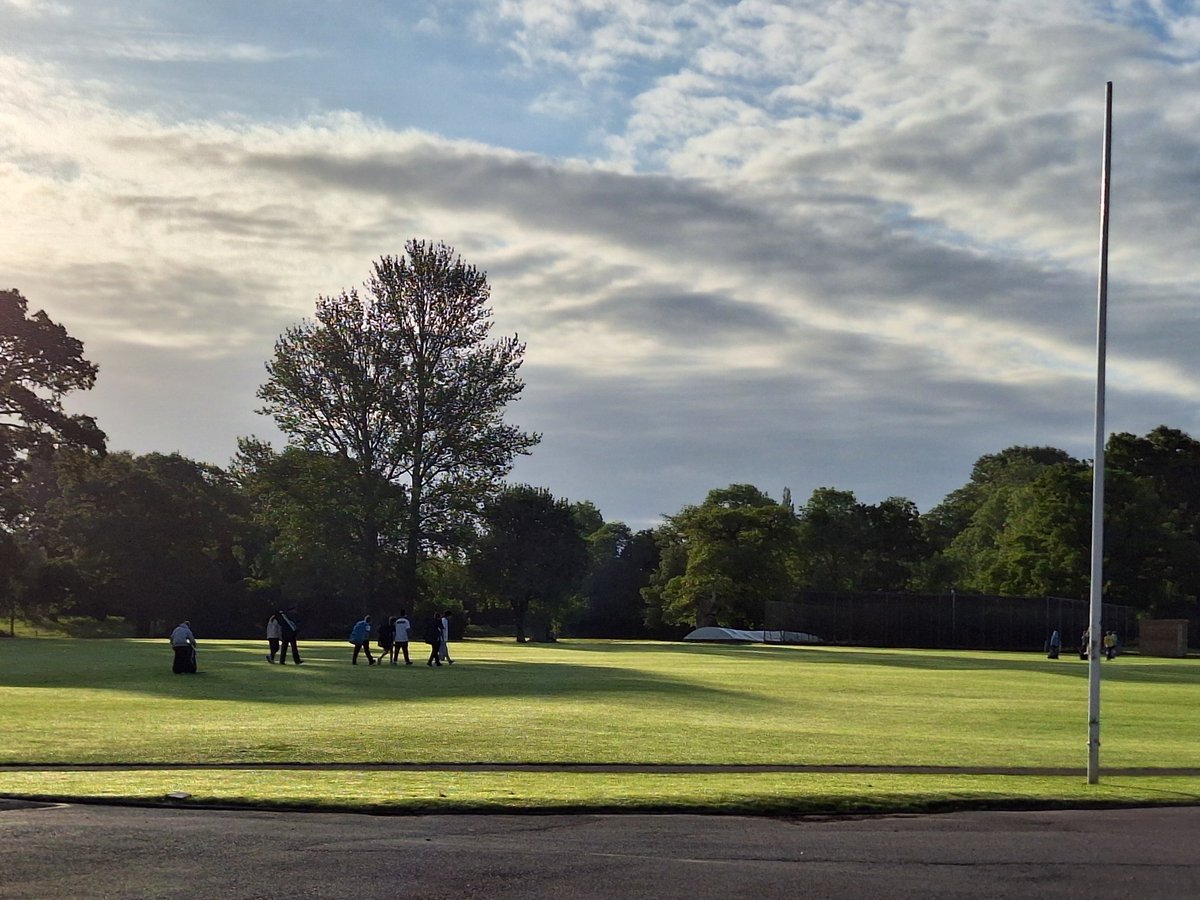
(116, 701)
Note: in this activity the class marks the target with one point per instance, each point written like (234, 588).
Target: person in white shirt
(183, 642)
(444, 652)
(274, 633)
(400, 644)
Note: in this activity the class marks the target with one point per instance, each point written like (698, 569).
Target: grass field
(986, 715)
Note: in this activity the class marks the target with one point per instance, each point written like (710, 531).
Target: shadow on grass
(238, 671)
(1123, 669)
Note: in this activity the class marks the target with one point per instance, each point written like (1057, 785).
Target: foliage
(972, 520)
(150, 538)
(530, 556)
(39, 365)
(315, 549)
(845, 545)
(620, 563)
(737, 546)
(405, 384)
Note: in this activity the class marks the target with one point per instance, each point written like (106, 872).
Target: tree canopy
(39, 365)
(406, 383)
(530, 556)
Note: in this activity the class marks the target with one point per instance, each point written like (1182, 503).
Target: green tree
(39, 365)
(620, 564)
(310, 507)
(832, 540)
(407, 385)
(1043, 548)
(530, 556)
(965, 529)
(737, 543)
(147, 538)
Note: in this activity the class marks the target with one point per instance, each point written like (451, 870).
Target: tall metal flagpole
(1095, 638)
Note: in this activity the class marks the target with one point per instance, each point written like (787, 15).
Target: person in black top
(288, 626)
(433, 637)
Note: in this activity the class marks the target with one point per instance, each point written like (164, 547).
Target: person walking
(433, 637)
(183, 642)
(1110, 644)
(288, 626)
(387, 637)
(400, 645)
(274, 633)
(360, 637)
(445, 651)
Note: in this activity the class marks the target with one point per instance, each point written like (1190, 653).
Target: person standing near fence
(1055, 645)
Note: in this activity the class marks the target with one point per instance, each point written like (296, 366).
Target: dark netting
(966, 621)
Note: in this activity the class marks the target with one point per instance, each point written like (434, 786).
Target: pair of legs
(398, 648)
(283, 650)
(434, 654)
(365, 647)
(444, 652)
(273, 644)
(185, 660)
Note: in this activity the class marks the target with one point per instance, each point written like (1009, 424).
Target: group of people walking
(394, 635)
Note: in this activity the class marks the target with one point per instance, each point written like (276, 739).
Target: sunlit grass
(425, 791)
(590, 702)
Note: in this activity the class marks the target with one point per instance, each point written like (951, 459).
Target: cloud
(846, 244)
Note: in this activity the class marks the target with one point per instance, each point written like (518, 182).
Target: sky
(791, 244)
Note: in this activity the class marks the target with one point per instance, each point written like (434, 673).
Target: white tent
(740, 636)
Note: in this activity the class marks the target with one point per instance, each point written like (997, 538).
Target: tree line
(391, 493)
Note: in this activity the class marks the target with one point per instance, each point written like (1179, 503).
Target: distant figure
(433, 637)
(445, 651)
(360, 637)
(183, 642)
(1110, 644)
(1055, 645)
(1083, 643)
(288, 626)
(387, 637)
(400, 645)
(274, 633)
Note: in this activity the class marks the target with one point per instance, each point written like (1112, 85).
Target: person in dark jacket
(433, 637)
(183, 642)
(288, 626)
(387, 637)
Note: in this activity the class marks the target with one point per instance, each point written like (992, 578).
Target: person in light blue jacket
(360, 637)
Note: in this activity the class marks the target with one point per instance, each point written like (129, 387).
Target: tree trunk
(520, 608)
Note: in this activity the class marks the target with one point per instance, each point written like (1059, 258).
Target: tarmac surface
(85, 851)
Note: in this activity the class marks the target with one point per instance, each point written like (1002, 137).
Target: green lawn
(116, 701)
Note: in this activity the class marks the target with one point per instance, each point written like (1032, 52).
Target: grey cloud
(670, 314)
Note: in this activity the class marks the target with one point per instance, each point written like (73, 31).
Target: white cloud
(37, 8)
(845, 243)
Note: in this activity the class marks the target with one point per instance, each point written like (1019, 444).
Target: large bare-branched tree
(407, 383)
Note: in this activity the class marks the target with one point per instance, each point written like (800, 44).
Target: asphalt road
(84, 851)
